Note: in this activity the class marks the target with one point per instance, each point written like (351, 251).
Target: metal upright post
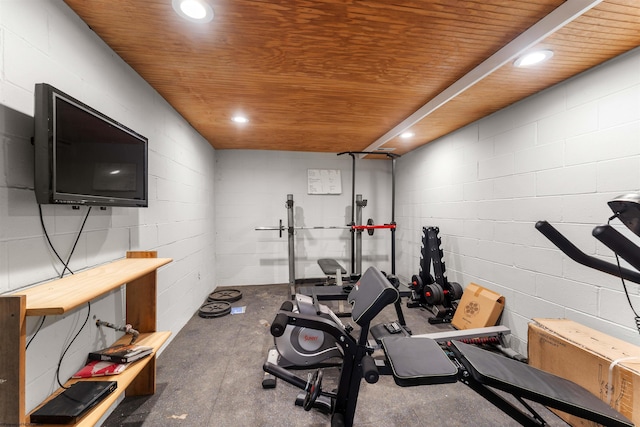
(292, 251)
(353, 210)
(393, 215)
(358, 249)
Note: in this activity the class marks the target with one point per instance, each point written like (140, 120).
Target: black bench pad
(370, 295)
(418, 361)
(329, 266)
(531, 383)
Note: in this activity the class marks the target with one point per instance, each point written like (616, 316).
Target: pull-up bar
(379, 153)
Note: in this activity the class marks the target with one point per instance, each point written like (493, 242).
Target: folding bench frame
(420, 361)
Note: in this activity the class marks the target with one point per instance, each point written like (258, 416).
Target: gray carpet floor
(211, 375)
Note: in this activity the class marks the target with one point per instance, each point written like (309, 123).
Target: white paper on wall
(324, 181)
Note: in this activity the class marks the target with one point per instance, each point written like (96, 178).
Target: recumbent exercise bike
(417, 361)
(300, 347)
(304, 347)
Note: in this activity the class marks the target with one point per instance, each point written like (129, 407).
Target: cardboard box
(478, 307)
(606, 366)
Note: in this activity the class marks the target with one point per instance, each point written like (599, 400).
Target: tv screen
(83, 157)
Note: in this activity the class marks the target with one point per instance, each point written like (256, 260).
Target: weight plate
(214, 309)
(371, 230)
(228, 295)
(393, 279)
(416, 283)
(456, 290)
(434, 295)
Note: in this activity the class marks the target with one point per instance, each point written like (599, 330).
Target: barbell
(370, 227)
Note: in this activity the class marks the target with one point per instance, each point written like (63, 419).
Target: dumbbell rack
(434, 292)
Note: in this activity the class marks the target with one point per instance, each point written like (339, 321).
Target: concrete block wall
(44, 41)
(560, 156)
(251, 190)
(557, 156)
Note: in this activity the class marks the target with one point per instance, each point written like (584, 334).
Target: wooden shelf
(138, 273)
(63, 295)
(127, 378)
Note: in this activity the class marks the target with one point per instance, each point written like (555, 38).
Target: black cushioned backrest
(370, 295)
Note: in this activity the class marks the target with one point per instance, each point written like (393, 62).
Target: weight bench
(331, 292)
(417, 361)
(330, 266)
(334, 272)
(421, 361)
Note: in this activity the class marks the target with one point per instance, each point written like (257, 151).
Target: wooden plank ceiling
(345, 75)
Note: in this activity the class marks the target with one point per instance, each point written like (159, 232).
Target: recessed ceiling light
(240, 119)
(533, 58)
(405, 135)
(193, 10)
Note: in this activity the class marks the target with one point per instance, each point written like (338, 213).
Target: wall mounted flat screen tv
(83, 157)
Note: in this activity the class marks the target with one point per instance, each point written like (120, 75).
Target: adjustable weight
(416, 282)
(393, 279)
(456, 291)
(434, 294)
